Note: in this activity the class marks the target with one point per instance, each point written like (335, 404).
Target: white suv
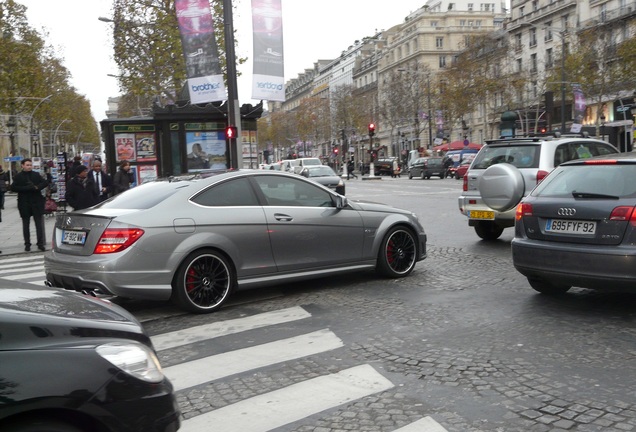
(506, 170)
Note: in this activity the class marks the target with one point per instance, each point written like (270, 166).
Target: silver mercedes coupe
(195, 240)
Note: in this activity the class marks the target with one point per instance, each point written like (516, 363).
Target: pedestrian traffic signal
(230, 132)
(371, 129)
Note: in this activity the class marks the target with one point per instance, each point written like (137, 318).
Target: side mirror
(341, 202)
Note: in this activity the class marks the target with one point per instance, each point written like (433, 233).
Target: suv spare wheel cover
(501, 186)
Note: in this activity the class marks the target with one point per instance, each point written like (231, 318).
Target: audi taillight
(624, 213)
(541, 175)
(117, 239)
(523, 209)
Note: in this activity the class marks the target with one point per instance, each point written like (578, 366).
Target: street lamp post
(57, 129)
(34, 146)
(603, 127)
(12, 128)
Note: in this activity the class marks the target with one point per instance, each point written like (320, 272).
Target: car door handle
(282, 217)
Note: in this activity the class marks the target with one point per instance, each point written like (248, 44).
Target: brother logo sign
(269, 85)
(206, 86)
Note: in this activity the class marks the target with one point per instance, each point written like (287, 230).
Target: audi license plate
(481, 214)
(570, 226)
(74, 237)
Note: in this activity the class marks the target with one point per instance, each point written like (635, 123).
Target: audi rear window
(522, 156)
(615, 180)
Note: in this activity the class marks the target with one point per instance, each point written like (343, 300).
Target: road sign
(13, 158)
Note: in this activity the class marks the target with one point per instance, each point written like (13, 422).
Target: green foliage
(35, 87)
(148, 52)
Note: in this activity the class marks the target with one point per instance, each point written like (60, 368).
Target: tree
(34, 84)
(148, 51)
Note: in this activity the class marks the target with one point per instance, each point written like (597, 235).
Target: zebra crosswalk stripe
(280, 407)
(224, 328)
(207, 369)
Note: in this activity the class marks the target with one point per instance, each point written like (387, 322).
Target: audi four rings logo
(564, 211)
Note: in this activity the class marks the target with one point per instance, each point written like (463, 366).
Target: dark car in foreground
(324, 175)
(74, 363)
(578, 227)
(196, 240)
(427, 167)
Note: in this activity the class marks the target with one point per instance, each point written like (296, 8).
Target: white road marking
(427, 424)
(224, 328)
(211, 368)
(23, 277)
(280, 407)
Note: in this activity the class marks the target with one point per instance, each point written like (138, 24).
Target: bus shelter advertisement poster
(206, 150)
(145, 144)
(125, 147)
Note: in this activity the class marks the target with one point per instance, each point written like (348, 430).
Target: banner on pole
(267, 25)
(579, 108)
(205, 80)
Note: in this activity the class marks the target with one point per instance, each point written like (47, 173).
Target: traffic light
(371, 129)
(335, 150)
(230, 132)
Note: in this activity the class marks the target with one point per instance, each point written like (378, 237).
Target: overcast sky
(312, 30)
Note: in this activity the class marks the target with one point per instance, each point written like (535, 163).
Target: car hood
(38, 317)
(376, 207)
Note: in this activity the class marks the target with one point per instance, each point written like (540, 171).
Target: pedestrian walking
(351, 166)
(102, 181)
(80, 191)
(29, 185)
(4, 182)
(395, 169)
(121, 181)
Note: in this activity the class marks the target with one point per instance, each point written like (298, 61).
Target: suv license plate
(570, 227)
(481, 214)
(74, 237)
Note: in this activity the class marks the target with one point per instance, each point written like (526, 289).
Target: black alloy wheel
(204, 281)
(398, 253)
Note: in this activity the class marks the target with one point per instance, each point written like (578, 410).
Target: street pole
(32, 140)
(430, 119)
(233, 112)
(562, 33)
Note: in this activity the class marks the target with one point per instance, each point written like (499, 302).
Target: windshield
(521, 156)
(320, 171)
(589, 181)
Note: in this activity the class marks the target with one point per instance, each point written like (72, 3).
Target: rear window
(434, 162)
(615, 180)
(526, 156)
(146, 195)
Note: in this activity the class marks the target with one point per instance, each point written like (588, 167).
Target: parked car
(578, 227)
(427, 167)
(74, 363)
(458, 157)
(303, 162)
(460, 171)
(195, 241)
(324, 175)
(506, 170)
(384, 166)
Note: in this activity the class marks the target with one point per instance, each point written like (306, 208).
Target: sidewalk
(11, 240)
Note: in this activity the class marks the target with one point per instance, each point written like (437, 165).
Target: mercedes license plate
(74, 237)
(562, 226)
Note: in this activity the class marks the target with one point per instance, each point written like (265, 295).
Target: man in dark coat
(29, 186)
(81, 192)
(101, 180)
